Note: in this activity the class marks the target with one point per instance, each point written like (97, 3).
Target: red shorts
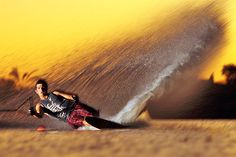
(76, 117)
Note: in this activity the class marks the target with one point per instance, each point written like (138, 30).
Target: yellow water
(35, 34)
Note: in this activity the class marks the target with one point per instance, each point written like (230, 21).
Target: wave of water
(134, 106)
(119, 78)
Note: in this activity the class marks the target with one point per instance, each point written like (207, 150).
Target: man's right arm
(37, 111)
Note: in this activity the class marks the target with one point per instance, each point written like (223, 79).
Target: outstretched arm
(67, 96)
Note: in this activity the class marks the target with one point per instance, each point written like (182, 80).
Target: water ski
(103, 124)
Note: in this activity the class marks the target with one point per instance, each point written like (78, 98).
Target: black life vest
(58, 106)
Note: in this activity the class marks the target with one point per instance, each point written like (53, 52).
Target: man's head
(41, 88)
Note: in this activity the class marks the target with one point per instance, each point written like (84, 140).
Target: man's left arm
(67, 96)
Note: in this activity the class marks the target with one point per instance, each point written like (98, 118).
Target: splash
(120, 77)
(134, 106)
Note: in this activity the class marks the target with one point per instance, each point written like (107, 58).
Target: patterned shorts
(77, 116)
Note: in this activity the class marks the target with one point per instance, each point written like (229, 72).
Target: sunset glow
(35, 34)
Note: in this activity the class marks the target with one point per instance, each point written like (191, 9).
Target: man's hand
(33, 112)
(75, 98)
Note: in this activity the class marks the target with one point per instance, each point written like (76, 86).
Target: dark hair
(43, 82)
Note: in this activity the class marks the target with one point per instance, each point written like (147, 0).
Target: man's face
(40, 90)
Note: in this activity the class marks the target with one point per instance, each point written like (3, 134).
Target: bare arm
(37, 111)
(67, 96)
(38, 108)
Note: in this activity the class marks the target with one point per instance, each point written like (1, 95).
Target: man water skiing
(62, 106)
